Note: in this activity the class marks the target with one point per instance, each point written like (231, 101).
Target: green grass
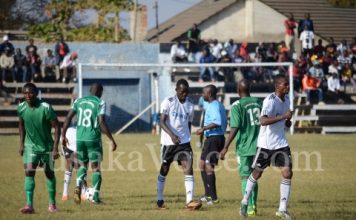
(316, 194)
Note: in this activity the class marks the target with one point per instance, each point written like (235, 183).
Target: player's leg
(166, 158)
(67, 173)
(30, 172)
(204, 177)
(83, 159)
(95, 153)
(245, 170)
(51, 181)
(185, 159)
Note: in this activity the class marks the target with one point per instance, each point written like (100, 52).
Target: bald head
(244, 87)
(210, 93)
(96, 89)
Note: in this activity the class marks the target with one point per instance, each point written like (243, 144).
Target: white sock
(161, 180)
(189, 187)
(67, 177)
(251, 182)
(285, 192)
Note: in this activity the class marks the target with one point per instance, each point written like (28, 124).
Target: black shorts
(182, 152)
(279, 158)
(211, 149)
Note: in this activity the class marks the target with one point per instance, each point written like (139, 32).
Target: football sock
(29, 188)
(205, 182)
(51, 188)
(211, 186)
(189, 187)
(96, 183)
(253, 198)
(67, 177)
(251, 182)
(285, 192)
(161, 180)
(81, 175)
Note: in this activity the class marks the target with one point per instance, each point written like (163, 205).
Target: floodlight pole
(156, 89)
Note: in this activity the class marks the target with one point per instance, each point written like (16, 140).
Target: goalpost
(157, 71)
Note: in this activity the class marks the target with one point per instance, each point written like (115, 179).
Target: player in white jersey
(176, 118)
(272, 145)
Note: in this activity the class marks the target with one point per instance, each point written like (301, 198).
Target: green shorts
(39, 159)
(245, 165)
(89, 151)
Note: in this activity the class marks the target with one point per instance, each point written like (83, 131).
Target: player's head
(281, 84)
(96, 89)
(182, 89)
(210, 92)
(243, 87)
(30, 93)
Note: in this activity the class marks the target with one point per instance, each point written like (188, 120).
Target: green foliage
(343, 3)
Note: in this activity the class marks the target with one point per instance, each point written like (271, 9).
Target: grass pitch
(323, 186)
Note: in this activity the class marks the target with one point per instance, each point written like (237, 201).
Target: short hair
(182, 82)
(279, 77)
(31, 86)
(213, 90)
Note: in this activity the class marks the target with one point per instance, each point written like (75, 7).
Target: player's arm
(66, 123)
(57, 134)
(230, 138)
(216, 122)
(164, 126)
(105, 129)
(265, 120)
(22, 136)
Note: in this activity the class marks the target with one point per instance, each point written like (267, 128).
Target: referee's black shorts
(211, 149)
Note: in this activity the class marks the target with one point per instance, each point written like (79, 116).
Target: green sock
(81, 175)
(96, 183)
(253, 198)
(29, 188)
(51, 188)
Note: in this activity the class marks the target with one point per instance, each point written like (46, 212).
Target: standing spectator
(310, 84)
(6, 44)
(215, 49)
(334, 89)
(4, 93)
(306, 22)
(230, 47)
(178, 53)
(20, 65)
(319, 49)
(244, 51)
(68, 66)
(34, 61)
(193, 42)
(31, 46)
(207, 57)
(7, 65)
(61, 50)
(261, 51)
(50, 68)
(290, 24)
(307, 39)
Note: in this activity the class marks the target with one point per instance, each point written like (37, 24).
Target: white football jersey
(273, 136)
(178, 117)
(71, 136)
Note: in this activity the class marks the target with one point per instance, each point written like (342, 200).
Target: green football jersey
(245, 114)
(88, 109)
(37, 122)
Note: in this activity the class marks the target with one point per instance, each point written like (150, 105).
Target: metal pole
(80, 81)
(135, 21)
(157, 23)
(156, 88)
(291, 95)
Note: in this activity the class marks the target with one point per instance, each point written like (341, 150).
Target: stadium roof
(329, 21)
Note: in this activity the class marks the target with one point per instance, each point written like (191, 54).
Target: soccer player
(176, 118)
(272, 144)
(245, 124)
(215, 123)
(36, 118)
(90, 113)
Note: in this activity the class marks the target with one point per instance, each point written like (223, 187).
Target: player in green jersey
(36, 118)
(245, 125)
(90, 113)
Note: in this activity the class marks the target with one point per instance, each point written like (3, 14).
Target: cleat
(193, 205)
(161, 205)
(284, 215)
(213, 202)
(52, 208)
(205, 198)
(65, 198)
(77, 195)
(251, 211)
(243, 210)
(27, 210)
(97, 202)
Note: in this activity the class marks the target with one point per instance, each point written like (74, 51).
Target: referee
(215, 123)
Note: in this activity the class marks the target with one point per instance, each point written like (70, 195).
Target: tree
(343, 3)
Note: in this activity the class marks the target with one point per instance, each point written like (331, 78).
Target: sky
(166, 10)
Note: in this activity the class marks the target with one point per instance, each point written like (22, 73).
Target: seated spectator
(344, 58)
(271, 54)
(319, 49)
(50, 68)
(347, 75)
(207, 57)
(307, 40)
(34, 61)
(68, 67)
(7, 64)
(178, 53)
(230, 47)
(215, 48)
(6, 44)
(20, 66)
(316, 69)
(261, 51)
(342, 47)
(31, 46)
(282, 48)
(312, 84)
(334, 89)
(334, 68)
(244, 51)
(4, 93)
(226, 72)
(61, 49)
